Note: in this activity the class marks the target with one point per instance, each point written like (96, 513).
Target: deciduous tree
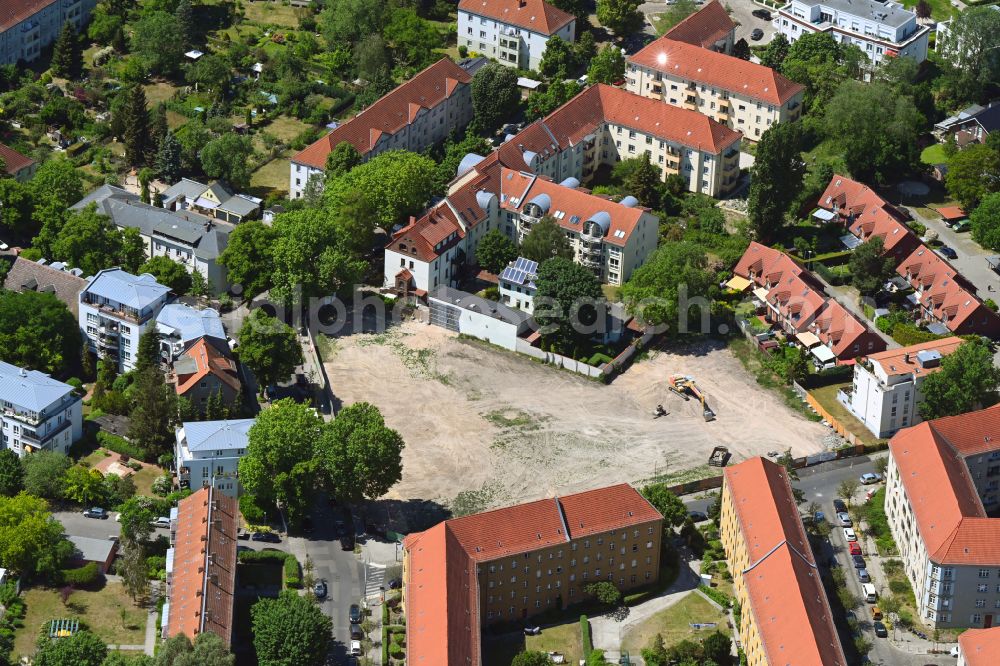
(396, 183)
(605, 592)
(967, 380)
(38, 331)
(31, 540)
(11, 473)
(83, 486)
(157, 40)
(870, 266)
(412, 38)
(675, 271)
(531, 658)
(342, 159)
(569, 305)
(248, 257)
(775, 178)
(348, 21)
(622, 17)
(668, 504)
(985, 221)
(545, 241)
(360, 457)
(168, 273)
(290, 630)
(608, 66)
(774, 53)
(229, 158)
(495, 251)
(543, 102)
(558, 59)
(269, 348)
(973, 173)
(81, 649)
(495, 96)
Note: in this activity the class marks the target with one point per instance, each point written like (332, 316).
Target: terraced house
(786, 617)
(28, 26)
(512, 32)
(513, 563)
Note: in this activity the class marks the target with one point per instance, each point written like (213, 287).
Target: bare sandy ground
(480, 419)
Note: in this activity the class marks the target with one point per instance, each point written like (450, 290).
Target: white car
(162, 521)
(845, 519)
(849, 534)
(356, 648)
(870, 477)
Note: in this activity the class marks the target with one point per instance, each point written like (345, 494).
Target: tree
(495, 251)
(876, 129)
(168, 273)
(605, 592)
(545, 241)
(90, 241)
(185, 23)
(741, 49)
(716, 648)
(455, 152)
(59, 181)
(495, 96)
(104, 25)
(967, 380)
(775, 178)
(38, 331)
(17, 206)
(148, 353)
(208, 650)
(371, 56)
(131, 566)
(676, 12)
(153, 412)
(674, 273)
(972, 50)
(640, 179)
(608, 66)
(342, 159)
(155, 40)
(411, 38)
(168, 158)
(360, 457)
(83, 486)
(290, 630)
(870, 266)
(11, 473)
(586, 45)
(228, 158)
(973, 173)
(985, 221)
(279, 466)
(847, 488)
(543, 102)
(668, 504)
(396, 184)
(269, 348)
(558, 59)
(210, 72)
(531, 658)
(620, 16)
(43, 473)
(349, 21)
(577, 8)
(67, 54)
(820, 63)
(126, 659)
(922, 9)
(774, 53)
(80, 649)
(31, 540)
(569, 304)
(248, 257)
(135, 124)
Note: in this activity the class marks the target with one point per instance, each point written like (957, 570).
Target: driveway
(971, 261)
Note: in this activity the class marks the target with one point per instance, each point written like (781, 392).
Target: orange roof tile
(13, 12)
(755, 259)
(535, 15)
(693, 63)
(427, 238)
(980, 647)
(971, 436)
(840, 330)
(895, 361)
(14, 160)
(605, 509)
(209, 360)
(952, 212)
(705, 27)
(390, 113)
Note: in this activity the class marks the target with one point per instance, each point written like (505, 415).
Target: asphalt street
(740, 13)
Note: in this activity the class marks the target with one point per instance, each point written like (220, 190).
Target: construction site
(488, 427)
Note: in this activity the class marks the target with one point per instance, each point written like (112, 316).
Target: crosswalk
(374, 579)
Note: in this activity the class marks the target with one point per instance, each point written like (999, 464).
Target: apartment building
(516, 284)
(742, 95)
(512, 32)
(207, 453)
(516, 562)
(28, 26)
(979, 647)
(180, 325)
(885, 392)
(943, 476)
(418, 114)
(201, 566)
(18, 166)
(879, 29)
(709, 28)
(37, 412)
(786, 616)
(116, 308)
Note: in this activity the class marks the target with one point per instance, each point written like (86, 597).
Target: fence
(837, 426)
(524, 347)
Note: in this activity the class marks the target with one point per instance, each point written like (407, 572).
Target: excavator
(685, 387)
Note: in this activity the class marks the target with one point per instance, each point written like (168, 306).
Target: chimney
(522, 3)
(906, 357)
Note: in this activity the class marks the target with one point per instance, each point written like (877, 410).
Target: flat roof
(894, 16)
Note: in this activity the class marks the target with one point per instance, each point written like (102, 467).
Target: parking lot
(740, 12)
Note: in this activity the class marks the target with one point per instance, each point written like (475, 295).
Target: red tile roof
(952, 212)
(209, 360)
(755, 259)
(13, 12)
(783, 585)
(14, 160)
(903, 361)
(693, 63)
(204, 573)
(389, 114)
(535, 15)
(980, 647)
(971, 436)
(867, 215)
(840, 329)
(426, 238)
(705, 27)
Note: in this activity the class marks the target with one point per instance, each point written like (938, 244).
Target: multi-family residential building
(709, 28)
(742, 95)
(943, 476)
(793, 300)
(885, 392)
(61, 281)
(979, 647)
(879, 29)
(416, 115)
(215, 201)
(185, 236)
(37, 412)
(514, 563)
(206, 369)
(28, 26)
(786, 616)
(516, 284)
(207, 453)
(201, 566)
(116, 308)
(180, 325)
(17, 166)
(513, 32)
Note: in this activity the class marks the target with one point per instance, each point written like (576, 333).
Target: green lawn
(940, 9)
(933, 154)
(826, 396)
(272, 176)
(612, 292)
(267, 12)
(674, 624)
(564, 638)
(285, 128)
(100, 611)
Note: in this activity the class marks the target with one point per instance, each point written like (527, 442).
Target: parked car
(756, 34)
(354, 613)
(863, 575)
(762, 14)
(320, 589)
(849, 534)
(242, 534)
(845, 519)
(698, 516)
(870, 477)
(839, 506)
(859, 562)
(880, 630)
(96, 512)
(533, 630)
(266, 537)
(357, 633)
(162, 521)
(395, 583)
(356, 648)
(947, 252)
(4, 247)
(854, 548)
(962, 225)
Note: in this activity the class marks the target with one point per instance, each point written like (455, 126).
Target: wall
(524, 347)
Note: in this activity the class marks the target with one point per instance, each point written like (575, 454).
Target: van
(876, 613)
(869, 593)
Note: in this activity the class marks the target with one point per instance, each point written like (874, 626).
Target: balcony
(25, 417)
(690, 103)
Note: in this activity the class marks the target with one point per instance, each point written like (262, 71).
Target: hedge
(290, 564)
(588, 643)
(720, 598)
(293, 576)
(908, 334)
(82, 576)
(121, 445)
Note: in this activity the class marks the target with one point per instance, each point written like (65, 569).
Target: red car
(855, 548)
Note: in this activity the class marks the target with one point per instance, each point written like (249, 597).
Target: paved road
(741, 15)
(971, 259)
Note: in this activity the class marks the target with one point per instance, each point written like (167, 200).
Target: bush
(121, 445)
(251, 511)
(588, 643)
(293, 575)
(162, 485)
(899, 586)
(599, 359)
(715, 595)
(907, 334)
(82, 576)
(154, 565)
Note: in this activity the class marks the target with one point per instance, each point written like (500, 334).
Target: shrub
(162, 485)
(155, 564)
(715, 595)
(121, 445)
(251, 511)
(899, 586)
(598, 359)
(396, 651)
(293, 576)
(588, 643)
(82, 576)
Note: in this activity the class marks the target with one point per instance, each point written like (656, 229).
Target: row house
(511, 564)
(709, 28)
(27, 27)
(515, 33)
(943, 476)
(418, 114)
(867, 215)
(37, 412)
(742, 95)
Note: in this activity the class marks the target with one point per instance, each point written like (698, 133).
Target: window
(980, 603)
(982, 587)
(984, 573)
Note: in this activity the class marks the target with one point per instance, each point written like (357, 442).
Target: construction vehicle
(720, 457)
(684, 385)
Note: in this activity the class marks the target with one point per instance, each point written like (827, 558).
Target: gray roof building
(89, 549)
(26, 275)
(188, 323)
(132, 291)
(217, 435)
(31, 390)
(891, 15)
(471, 302)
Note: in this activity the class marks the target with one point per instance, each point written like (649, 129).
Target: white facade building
(478, 317)
(116, 308)
(885, 394)
(517, 284)
(28, 26)
(207, 453)
(513, 32)
(879, 29)
(37, 412)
